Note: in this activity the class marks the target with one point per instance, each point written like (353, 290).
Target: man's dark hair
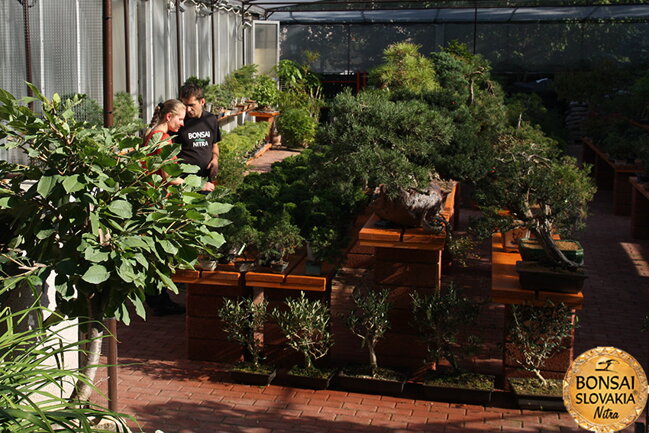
(189, 90)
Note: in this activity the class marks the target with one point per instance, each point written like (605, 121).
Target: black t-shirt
(197, 138)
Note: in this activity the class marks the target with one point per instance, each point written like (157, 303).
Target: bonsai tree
(405, 68)
(281, 240)
(439, 317)
(126, 113)
(369, 320)
(306, 327)
(322, 244)
(243, 320)
(542, 190)
(265, 92)
(537, 333)
(297, 128)
(219, 97)
(87, 211)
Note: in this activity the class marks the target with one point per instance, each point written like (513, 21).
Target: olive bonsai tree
(369, 320)
(243, 321)
(91, 210)
(305, 324)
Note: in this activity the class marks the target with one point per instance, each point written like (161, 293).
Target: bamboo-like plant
(243, 321)
(34, 381)
(370, 320)
(538, 333)
(306, 327)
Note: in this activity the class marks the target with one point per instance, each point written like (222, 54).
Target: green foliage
(200, 82)
(88, 211)
(280, 240)
(241, 81)
(537, 333)
(370, 320)
(306, 327)
(543, 190)
(297, 128)
(219, 96)
(85, 109)
(405, 68)
(126, 113)
(243, 320)
(440, 316)
(322, 243)
(265, 92)
(241, 233)
(34, 377)
(300, 88)
(235, 148)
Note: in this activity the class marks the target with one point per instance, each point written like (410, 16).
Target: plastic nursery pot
(278, 267)
(527, 397)
(537, 276)
(531, 250)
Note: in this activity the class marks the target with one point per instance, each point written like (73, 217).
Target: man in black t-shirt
(200, 136)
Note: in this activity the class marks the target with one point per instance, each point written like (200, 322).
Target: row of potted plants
(537, 333)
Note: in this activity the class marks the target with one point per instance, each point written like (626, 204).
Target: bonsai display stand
(611, 175)
(505, 289)
(406, 256)
(639, 209)
(206, 291)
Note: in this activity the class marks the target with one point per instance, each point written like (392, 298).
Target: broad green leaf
(121, 208)
(94, 223)
(141, 260)
(73, 183)
(194, 215)
(125, 271)
(193, 181)
(213, 239)
(96, 274)
(172, 170)
(218, 208)
(167, 282)
(189, 168)
(139, 306)
(135, 242)
(217, 222)
(44, 234)
(94, 255)
(168, 247)
(45, 185)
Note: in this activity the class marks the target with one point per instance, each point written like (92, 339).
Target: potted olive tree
(305, 324)
(536, 334)
(440, 317)
(369, 321)
(546, 193)
(243, 321)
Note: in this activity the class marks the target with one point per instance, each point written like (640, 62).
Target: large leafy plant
(91, 210)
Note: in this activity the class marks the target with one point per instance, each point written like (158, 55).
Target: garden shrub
(297, 128)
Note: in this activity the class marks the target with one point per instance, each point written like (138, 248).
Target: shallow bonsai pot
(253, 378)
(312, 268)
(207, 264)
(244, 265)
(278, 267)
(537, 276)
(457, 393)
(310, 382)
(369, 385)
(531, 250)
(531, 401)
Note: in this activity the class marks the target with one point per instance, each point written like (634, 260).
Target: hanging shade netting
(542, 39)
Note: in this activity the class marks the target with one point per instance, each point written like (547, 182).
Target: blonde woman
(167, 118)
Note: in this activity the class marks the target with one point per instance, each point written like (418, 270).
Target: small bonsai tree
(265, 92)
(370, 320)
(306, 327)
(297, 128)
(405, 69)
(243, 320)
(281, 240)
(543, 190)
(440, 316)
(537, 333)
(322, 244)
(126, 113)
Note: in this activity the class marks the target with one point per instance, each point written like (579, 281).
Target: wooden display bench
(639, 209)
(611, 175)
(505, 289)
(206, 292)
(264, 116)
(406, 256)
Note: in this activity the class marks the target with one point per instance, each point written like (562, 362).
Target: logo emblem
(605, 390)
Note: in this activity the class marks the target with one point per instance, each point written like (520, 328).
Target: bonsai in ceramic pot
(243, 322)
(546, 192)
(305, 324)
(536, 334)
(369, 320)
(320, 246)
(441, 316)
(281, 240)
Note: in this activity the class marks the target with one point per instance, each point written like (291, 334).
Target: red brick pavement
(164, 390)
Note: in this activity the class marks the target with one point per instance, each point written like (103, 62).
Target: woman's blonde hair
(173, 106)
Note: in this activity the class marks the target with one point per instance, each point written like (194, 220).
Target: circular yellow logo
(605, 390)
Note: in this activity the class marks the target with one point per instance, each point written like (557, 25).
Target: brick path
(164, 390)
